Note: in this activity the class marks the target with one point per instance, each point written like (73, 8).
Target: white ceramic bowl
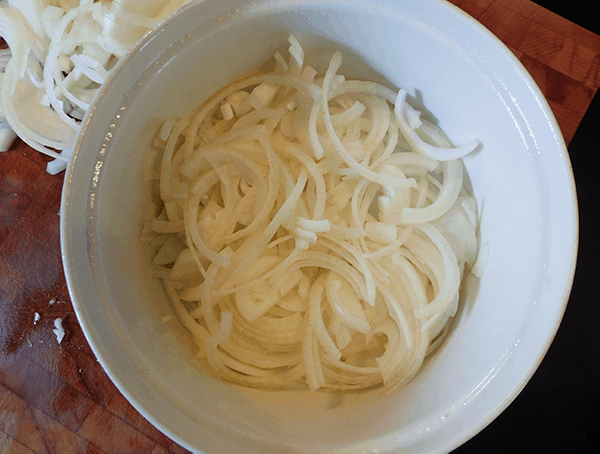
(521, 177)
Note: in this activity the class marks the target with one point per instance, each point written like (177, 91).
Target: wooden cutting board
(56, 397)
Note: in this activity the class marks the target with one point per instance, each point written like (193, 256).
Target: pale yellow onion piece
(316, 320)
(191, 226)
(241, 366)
(202, 184)
(296, 56)
(293, 302)
(451, 282)
(32, 11)
(410, 366)
(350, 368)
(453, 177)
(411, 281)
(460, 234)
(254, 117)
(284, 213)
(316, 356)
(393, 247)
(423, 259)
(390, 357)
(346, 304)
(381, 232)
(224, 328)
(261, 357)
(22, 40)
(347, 116)
(357, 196)
(168, 226)
(434, 323)
(397, 314)
(390, 147)
(125, 21)
(249, 354)
(405, 158)
(185, 318)
(90, 68)
(330, 262)
(281, 267)
(254, 301)
(353, 256)
(310, 362)
(267, 380)
(184, 268)
(419, 145)
(54, 132)
(344, 385)
(342, 190)
(244, 212)
(280, 324)
(481, 261)
(207, 303)
(270, 340)
(344, 233)
(195, 162)
(406, 362)
(166, 189)
(379, 128)
(362, 244)
(281, 64)
(393, 200)
(290, 149)
(168, 252)
(253, 171)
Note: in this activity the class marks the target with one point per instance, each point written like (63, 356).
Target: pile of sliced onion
(60, 52)
(311, 229)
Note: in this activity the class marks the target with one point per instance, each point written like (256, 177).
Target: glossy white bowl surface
(468, 82)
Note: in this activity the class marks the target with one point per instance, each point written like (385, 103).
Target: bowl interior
(463, 79)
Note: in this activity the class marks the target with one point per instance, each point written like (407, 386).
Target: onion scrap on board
(311, 229)
(59, 53)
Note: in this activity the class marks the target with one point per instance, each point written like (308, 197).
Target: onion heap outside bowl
(471, 85)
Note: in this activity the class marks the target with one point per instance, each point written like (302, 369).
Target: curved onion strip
(247, 353)
(428, 150)
(316, 320)
(357, 260)
(451, 280)
(390, 147)
(28, 135)
(446, 197)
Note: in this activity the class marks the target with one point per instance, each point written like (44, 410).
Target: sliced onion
(381, 231)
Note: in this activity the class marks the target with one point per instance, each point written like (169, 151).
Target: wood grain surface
(56, 397)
